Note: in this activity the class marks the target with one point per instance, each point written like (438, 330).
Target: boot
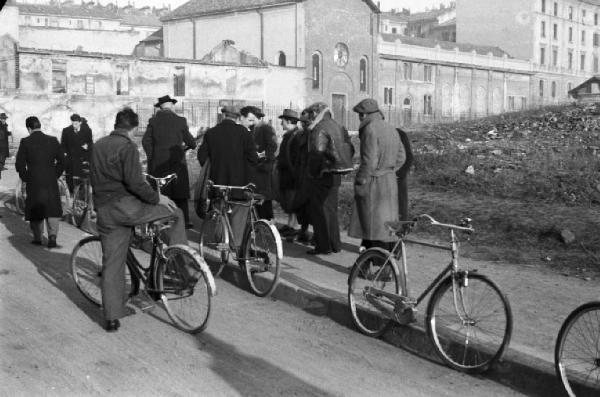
(51, 241)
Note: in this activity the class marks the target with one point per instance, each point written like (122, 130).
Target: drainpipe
(193, 38)
(262, 35)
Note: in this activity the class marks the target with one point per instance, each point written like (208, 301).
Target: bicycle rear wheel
(214, 240)
(262, 252)
(186, 288)
(374, 268)
(471, 328)
(577, 351)
(79, 205)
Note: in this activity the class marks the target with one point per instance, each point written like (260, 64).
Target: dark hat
(366, 106)
(164, 99)
(290, 115)
(254, 110)
(3, 116)
(230, 109)
(75, 117)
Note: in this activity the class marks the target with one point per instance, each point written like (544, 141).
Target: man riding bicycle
(124, 199)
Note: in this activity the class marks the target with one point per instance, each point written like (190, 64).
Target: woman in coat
(40, 162)
(375, 185)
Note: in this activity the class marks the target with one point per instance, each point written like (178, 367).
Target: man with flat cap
(231, 152)
(287, 159)
(375, 185)
(165, 142)
(4, 134)
(77, 142)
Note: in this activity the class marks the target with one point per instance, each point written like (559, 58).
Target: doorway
(338, 107)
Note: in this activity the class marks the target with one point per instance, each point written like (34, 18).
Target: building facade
(437, 24)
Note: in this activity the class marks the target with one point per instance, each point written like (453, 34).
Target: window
(281, 59)
(570, 60)
(555, 32)
(511, 103)
(543, 5)
(569, 87)
(363, 74)
(316, 70)
(583, 16)
(387, 95)
(122, 79)
(407, 71)
(570, 34)
(595, 64)
(427, 109)
(583, 37)
(582, 63)
(542, 56)
(523, 103)
(394, 30)
(553, 89)
(90, 85)
(79, 24)
(543, 29)
(541, 88)
(59, 77)
(596, 40)
(179, 81)
(427, 69)
(555, 9)
(596, 19)
(554, 57)
(571, 13)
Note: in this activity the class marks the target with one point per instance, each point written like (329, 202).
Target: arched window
(541, 88)
(316, 70)
(281, 60)
(363, 74)
(553, 89)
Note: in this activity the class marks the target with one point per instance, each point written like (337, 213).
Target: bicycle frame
(223, 207)
(138, 271)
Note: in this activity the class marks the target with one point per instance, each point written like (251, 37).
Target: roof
(141, 20)
(156, 36)
(96, 11)
(446, 45)
(419, 16)
(593, 79)
(195, 8)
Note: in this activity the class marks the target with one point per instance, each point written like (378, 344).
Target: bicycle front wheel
(469, 321)
(262, 252)
(577, 351)
(186, 288)
(373, 271)
(79, 205)
(214, 240)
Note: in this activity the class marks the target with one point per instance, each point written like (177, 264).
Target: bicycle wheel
(79, 205)
(472, 328)
(20, 195)
(577, 351)
(262, 252)
(371, 312)
(86, 269)
(186, 288)
(214, 240)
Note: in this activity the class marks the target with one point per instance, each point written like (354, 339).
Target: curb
(520, 371)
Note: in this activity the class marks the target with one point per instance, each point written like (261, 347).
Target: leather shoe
(51, 241)
(112, 325)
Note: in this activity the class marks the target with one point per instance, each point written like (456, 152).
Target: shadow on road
(51, 264)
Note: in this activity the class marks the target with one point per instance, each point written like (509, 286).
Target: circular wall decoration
(340, 54)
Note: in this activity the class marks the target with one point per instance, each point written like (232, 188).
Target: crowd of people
(303, 173)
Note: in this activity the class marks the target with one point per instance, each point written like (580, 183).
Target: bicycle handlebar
(162, 181)
(465, 223)
(249, 187)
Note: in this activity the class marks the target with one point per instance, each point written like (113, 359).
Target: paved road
(51, 343)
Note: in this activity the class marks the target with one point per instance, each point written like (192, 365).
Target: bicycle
(21, 195)
(83, 203)
(176, 275)
(577, 351)
(260, 251)
(468, 318)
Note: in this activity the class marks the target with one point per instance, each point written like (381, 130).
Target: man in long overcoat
(232, 153)
(4, 134)
(77, 142)
(375, 185)
(265, 142)
(40, 162)
(166, 139)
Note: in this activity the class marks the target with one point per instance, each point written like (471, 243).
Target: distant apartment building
(437, 24)
(560, 38)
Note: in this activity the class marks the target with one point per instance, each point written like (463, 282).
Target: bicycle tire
(214, 240)
(20, 196)
(186, 286)
(371, 269)
(475, 351)
(577, 351)
(79, 205)
(86, 270)
(262, 252)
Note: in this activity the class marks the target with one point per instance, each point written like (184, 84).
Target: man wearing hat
(76, 141)
(166, 139)
(4, 134)
(265, 141)
(375, 185)
(231, 153)
(286, 168)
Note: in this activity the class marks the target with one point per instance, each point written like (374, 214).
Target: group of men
(314, 154)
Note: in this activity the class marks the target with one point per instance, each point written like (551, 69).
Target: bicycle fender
(382, 252)
(203, 265)
(277, 237)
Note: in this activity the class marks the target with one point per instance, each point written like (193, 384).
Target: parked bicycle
(577, 351)
(176, 275)
(260, 251)
(63, 190)
(83, 203)
(468, 318)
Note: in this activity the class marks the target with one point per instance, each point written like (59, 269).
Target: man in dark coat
(40, 162)
(166, 139)
(265, 141)
(232, 153)
(77, 142)
(124, 199)
(4, 134)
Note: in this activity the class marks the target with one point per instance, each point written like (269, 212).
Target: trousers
(37, 227)
(115, 222)
(322, 207)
